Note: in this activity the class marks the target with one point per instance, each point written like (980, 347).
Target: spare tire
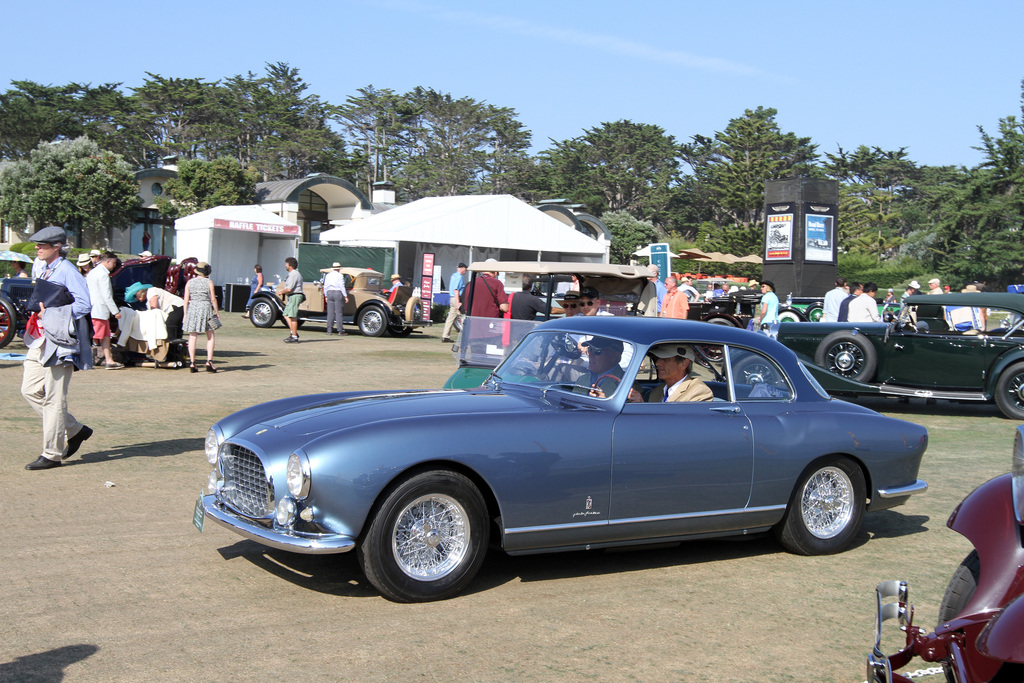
(848, 355)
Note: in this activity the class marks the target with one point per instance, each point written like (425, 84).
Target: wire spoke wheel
(431, 537)
(826, 503)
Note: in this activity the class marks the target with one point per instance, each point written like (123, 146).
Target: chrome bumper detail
(918, 486)
(292, 541)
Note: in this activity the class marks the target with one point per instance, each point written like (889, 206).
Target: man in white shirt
(832, 300)
(103, 306)
(864, 309)
(336, 296)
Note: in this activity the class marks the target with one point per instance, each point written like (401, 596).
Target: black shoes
(209, 367)
(447, 340)
(75, 442)
(42, 463)
(291, 339)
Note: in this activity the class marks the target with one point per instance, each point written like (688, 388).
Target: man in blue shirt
(456, 288)
(832, 300)
(48, 365)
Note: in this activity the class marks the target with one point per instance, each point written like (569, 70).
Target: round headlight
(211, 446)
(297, 475)
(285, 512)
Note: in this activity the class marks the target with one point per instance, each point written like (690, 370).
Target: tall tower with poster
(800, 235)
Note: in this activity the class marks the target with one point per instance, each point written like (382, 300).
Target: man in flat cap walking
(53, 355)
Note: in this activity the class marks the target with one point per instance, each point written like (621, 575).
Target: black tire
(826, 509)
(1010, 392)
(263, 313)
(427, 539)
(400, 331)
(8, 323)
(720, 320)
(847, 355)
(961, 588)
(372, 322)
(814, 313)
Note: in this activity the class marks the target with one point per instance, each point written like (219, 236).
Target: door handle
(727, 409)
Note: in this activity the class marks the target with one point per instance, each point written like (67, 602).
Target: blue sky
(914, 74)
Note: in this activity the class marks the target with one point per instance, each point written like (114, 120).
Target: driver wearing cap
(603, 357)
(673, 363)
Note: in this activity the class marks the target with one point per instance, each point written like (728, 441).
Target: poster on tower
(819, 232)
(778, 238)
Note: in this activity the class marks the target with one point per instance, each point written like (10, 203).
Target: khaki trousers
(46, 390)
(449, 322)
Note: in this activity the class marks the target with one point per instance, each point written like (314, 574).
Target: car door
(936, 358)
(674, 463)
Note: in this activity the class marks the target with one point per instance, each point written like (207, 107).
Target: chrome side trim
(696, 515)
(635, 520)
(918, 486)
(292, 541)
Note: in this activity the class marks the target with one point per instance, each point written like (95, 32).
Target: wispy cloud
(566, 35)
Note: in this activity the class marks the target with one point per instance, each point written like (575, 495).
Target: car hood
(311, 416)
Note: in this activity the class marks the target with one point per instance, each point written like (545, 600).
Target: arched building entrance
(315, 203)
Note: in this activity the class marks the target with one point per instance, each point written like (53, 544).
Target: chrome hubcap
(827, 502)
(431, 537)
(845, 359)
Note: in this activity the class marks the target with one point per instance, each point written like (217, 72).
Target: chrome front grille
(245, 482)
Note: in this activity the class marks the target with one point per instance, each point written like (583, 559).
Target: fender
(1001, 638)
(1004, 361)
(986, 518)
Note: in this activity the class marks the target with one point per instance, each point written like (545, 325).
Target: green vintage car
(959, 347)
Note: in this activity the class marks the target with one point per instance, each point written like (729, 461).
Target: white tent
(483, 223)
(234, 238)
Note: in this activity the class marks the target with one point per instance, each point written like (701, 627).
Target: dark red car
(980, 635)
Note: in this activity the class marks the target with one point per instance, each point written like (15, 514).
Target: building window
(312, 215)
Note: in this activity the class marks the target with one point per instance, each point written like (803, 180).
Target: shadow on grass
(150, 449)
(341, 574)
(45, 667)
(920, 406)
(893, 524)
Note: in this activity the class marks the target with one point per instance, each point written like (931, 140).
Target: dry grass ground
(105, 577)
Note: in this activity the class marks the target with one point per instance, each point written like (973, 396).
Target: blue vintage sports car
(566, 447)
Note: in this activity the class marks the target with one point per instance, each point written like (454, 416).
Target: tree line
(898, 220)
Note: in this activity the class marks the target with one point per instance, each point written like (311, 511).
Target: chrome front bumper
(282, 539)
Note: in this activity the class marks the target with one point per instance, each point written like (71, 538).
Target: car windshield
(590, 364)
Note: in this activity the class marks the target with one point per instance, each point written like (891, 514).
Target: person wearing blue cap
(49, 364)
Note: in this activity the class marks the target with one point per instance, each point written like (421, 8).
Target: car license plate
(199, 515)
